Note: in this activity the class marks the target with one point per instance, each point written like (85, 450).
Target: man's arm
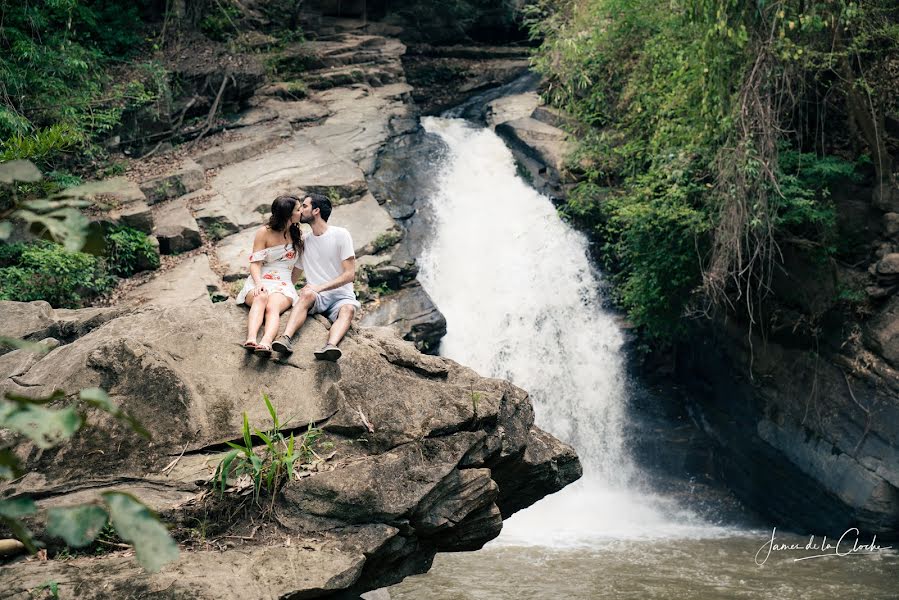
(348, 276)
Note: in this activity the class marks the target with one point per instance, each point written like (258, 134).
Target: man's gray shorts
(328, 303)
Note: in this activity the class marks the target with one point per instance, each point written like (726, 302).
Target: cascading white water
(521, 302)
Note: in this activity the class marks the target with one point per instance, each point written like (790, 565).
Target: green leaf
(135, 523)
(271, 411)
(225, 467)
(98, 398)
(18, 344)
(46, 427)
(17, 507)
(19, 170)
(248, 442)
(77, 525)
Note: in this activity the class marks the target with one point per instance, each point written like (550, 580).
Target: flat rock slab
(118, 190)
(510, 108)
(187, 179)
(361, 121)
(176, 229)
(254, 141)
(539, 140)
(187, 283)
(233, 254)
(294, 111)
(305, 566)
(245, 190)
(412, 314)
(366, 220)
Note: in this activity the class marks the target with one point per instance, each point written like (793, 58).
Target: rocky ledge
(424, 455)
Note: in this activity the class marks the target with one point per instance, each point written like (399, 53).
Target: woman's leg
(257, 312)
(277, 303)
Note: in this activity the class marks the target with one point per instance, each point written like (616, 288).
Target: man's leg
(342, 324)
(299, 313)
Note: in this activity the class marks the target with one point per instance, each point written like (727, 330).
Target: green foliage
(129, 251)
(56, 91)
(47, 271)
(693, 134)
(219, 22)
(272, 465)
(77, 525)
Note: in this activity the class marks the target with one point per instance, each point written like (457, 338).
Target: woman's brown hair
(282, 209)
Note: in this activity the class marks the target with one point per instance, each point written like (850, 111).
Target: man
(329, 264)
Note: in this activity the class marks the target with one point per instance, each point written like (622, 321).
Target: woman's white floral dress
(277, 266)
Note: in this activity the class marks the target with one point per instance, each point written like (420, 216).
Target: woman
(269, 290)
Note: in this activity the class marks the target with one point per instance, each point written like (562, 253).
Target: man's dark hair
(322, 204)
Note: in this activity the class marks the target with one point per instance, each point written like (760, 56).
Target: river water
(522, 302)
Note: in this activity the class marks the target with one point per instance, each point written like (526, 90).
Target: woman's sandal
(263, 350)
(249, 346)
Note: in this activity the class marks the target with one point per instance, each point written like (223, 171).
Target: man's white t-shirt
(323, 256)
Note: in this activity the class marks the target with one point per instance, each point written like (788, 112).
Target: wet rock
(187, 179)
(511, 108)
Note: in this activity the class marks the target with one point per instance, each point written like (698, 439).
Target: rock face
(418, 465)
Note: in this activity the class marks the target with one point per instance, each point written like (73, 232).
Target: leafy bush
(699, 150)
(129, 251)
(56, 91)
(47, 271)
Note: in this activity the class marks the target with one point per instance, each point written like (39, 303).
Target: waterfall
(522, 303)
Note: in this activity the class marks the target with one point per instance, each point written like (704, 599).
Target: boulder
(412, 314)
(891, 224)
(541, 141)
(176, 229)
(510, 108)
(415, 465)
(187, 179)
(136, 215)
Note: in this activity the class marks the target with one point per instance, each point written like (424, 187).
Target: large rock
(245, 190)
(186, 179)
(190, 282)
(543, 142)
(510, 108)
(233, 254)
(412, 314)
(176, 229)
(365, 220)
(362, 120)
(416, 468)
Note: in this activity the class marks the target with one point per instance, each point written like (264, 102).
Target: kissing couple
(280, 252)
